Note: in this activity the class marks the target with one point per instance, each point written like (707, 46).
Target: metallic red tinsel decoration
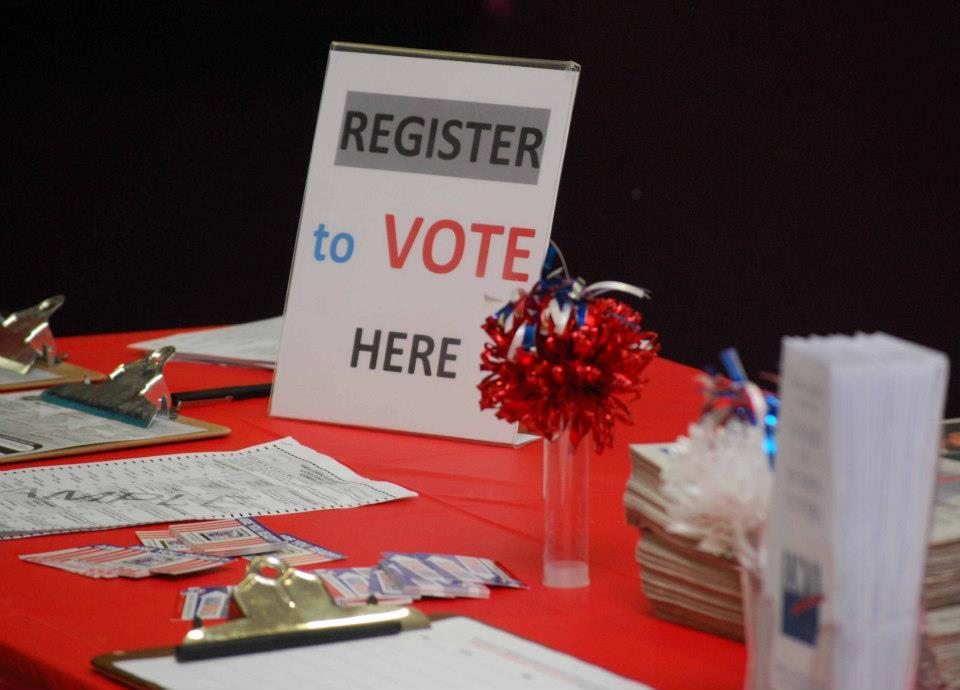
(575, 378)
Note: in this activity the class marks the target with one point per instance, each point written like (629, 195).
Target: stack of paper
(688, 586)
(683, 584)
(850, 516)
(253, 344)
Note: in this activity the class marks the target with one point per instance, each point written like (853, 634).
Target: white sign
(429, 200)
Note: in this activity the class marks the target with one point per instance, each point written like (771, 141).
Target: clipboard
(63, 372)
(478, 655)
(105, 664)
(283, 607)
(133, 408)
(203, 430)
(29, 356)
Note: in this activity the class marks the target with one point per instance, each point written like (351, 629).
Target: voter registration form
(453, 654)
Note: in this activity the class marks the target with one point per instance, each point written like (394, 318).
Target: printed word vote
(483, 233)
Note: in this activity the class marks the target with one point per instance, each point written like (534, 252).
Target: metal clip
(135, 393)
(26, 338)
(291, 608)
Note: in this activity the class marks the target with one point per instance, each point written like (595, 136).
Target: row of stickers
(398, 579)
(185, 548)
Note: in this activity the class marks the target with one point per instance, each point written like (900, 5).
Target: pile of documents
(683, 584)
(688, 586)
(400, 578)
(254, 344)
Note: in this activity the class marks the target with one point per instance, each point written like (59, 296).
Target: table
(475, 499)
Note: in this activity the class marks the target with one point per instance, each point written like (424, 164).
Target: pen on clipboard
(210, 395)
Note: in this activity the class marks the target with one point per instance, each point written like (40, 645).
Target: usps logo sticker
(802, 596)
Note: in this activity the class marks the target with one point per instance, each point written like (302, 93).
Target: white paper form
(253, 344)
(35, 374)
(454, 654)
(270, 479)
(31, 425)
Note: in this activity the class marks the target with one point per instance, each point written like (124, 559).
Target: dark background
(764, 170)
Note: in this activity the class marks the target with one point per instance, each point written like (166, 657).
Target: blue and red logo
(802, 597)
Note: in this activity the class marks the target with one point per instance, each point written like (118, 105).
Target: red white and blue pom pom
(561, 357)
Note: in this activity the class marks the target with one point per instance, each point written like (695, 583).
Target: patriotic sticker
(230, 537)
(104, 561)
(482, 571)
(161, 539)
(355, 586)
(298, 552)
(802, 596)
(417, 578)
(205, 603)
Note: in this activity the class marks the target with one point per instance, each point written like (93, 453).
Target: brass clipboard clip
(134, 393)
(26, 338)
(291, 608)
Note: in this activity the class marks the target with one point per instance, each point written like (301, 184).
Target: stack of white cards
(853, 492)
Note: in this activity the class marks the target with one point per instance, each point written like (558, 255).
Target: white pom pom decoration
(718, 489)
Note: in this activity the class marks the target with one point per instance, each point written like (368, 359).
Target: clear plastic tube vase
(566, 492)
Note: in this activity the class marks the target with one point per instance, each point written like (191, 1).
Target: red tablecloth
(475, 499)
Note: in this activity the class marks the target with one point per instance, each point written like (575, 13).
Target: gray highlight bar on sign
(433, 136)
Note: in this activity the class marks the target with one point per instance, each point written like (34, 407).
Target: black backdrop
(764, 170)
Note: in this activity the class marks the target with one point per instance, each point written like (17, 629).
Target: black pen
(190, 398)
